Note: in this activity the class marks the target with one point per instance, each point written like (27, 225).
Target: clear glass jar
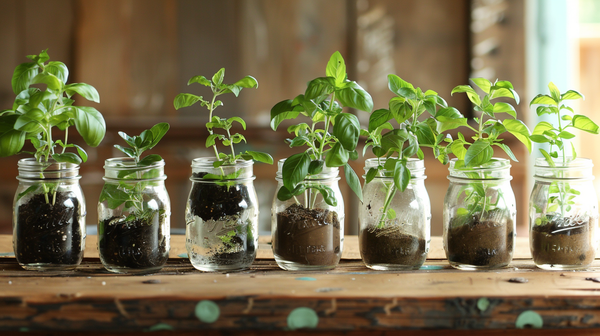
(307, 233)
(394, 225)
(48, 216)
(563, 214)
(134, 217)
(479, 216)
(221, 216)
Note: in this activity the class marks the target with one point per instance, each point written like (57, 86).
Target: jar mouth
(127, 163)
(32, 170)
(125, 169)
(326, 173)
(495, 169)
(415, 165)
(207, 162)
(240, 171)
(569, 169)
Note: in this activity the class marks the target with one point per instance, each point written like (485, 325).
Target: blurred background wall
(140, 53)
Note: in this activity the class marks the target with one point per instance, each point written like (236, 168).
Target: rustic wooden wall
(140, 54)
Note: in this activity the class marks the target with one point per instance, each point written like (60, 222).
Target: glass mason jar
(48, 216)
(221, 216)
(306, 232)
(479, 216)
(563, 214)
(394, 225)
(134, 217)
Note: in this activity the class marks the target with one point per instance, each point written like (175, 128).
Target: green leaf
(158, 132)
(547, 157)
(572, 94)
(478, 153)
(543, 99)
(449, 118)
(148, 160)
(58, 69)
(401, 176)
(67, 157)
(501, 107)
(282, 111)
(483, 84)
(378, 118)
(519, 130)
(295, 169)
(200, 80)
(239, 120)
(90, 125)
(395, 83)
(407, 93)
(354, 96)
(11, 142)
(30, 121)
(82, 153)
(261, 157)
(217, 78)
(584, 123)
(371, 175)
(337, 156)
(50, 80)
(247, 82)
(316, 167)
(127, 151)
(319, 88)
(113, 196)
(400, 109)
(473, 96)
(566, 135)
(573, 151)
(185, 100)
(32, 188)
(336, 68)
(85, 90)
(504, 92)
(425, 134)
(542, 127)
(539, 138)
(507, 151)
(347, 130)
(22, 76)
(353, 181)
(554, 92)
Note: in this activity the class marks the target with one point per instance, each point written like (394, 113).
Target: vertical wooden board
(208, 35)
(284, 44)
(423, 42)
(9, 49)
(103, 40)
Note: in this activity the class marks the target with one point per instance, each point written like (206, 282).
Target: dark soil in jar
(562, 241)
(132, 244)
(486, 243)
(212, 201)
(307, 236)
(49, 234)
(391, 247)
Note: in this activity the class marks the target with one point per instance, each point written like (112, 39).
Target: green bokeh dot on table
(207, 311)
(302, 318)
(529, 318)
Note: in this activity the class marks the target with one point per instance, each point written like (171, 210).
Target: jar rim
(127, 163)
(570, 163)
(31, 164)
(208, 161)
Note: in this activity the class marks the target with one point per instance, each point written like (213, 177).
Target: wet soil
(211, 201)
(562, 242)
(49, 234)
(480, 243)
(132, 244)
(382, 246)
(307, 236)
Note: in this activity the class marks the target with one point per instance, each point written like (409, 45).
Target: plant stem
(66, 138)
(391, 192)
(211, 109)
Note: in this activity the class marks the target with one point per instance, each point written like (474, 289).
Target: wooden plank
(351, 250)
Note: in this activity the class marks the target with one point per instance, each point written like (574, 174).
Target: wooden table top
(264, 297)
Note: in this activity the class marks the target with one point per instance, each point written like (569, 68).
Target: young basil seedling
(399, 144)
(561, 194)
(214, 122)
(126, 192)
(487, 134)
(36, 112)
(322, 103)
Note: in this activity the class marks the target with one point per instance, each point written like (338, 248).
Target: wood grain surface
(348, 298)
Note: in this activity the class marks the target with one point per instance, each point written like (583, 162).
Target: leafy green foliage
(214, 122)
(490, 128)
(397, 145)
(332, 135)
(560, 195)
(128, 192)
(36, 112)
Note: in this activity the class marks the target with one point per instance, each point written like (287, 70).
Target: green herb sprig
(561, 194)
(330, 138)
(214, 122)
